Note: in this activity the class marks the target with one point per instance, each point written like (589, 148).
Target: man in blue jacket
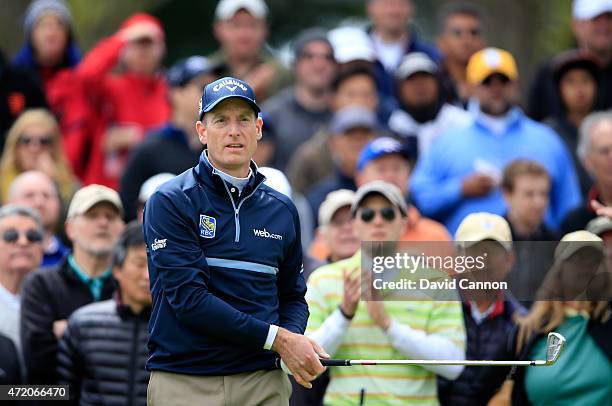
(462, 170)
(225, 265)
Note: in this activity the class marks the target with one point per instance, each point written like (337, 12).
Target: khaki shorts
(265, 388)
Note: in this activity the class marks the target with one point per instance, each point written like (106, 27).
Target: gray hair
(584, 139)
(11, 210)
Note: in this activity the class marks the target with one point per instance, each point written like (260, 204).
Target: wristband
(344, 314)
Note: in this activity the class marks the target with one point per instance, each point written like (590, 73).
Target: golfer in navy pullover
(225, 265)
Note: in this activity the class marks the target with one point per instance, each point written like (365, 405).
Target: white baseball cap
(226, 9)
(333, 202)
(572, 242)
(87, 197)
(351, 44)
(276, 180)
(588, 9)
(150, 185)
(481, 226)
(415, 62)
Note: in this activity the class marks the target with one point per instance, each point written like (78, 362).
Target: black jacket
(10, 369)
(578, 218)
(49, 295)
(167, 150)
(489, 340)
(19, 90)
(103, 353)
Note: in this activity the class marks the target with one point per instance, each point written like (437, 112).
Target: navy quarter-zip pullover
(224, 266)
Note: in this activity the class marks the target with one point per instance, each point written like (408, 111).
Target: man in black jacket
(176, 143)
(49, 296)
(103, 352)
(18, 90)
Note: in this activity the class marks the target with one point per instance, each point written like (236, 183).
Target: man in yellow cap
(462, 171)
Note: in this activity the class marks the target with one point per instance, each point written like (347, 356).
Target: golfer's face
(378, 220)
(231, 131)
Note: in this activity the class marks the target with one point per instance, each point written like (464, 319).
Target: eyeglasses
(457, 32)
(310, 56)
(12, 235)
(368, 214)
(26, 140)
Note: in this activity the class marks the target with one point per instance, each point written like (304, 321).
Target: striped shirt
(384, 385)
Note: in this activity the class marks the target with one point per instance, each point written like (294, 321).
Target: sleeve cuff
(271, 336)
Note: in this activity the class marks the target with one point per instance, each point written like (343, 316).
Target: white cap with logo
(226, 9)
(589, 9)
(481, 226)
(87, 197)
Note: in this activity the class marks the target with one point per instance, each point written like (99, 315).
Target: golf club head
(554, 345)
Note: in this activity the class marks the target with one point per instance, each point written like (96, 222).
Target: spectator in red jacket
(127, 104)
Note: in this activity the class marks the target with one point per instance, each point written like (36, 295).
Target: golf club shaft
(351, 362)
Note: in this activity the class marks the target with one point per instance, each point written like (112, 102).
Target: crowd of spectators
(376, 135)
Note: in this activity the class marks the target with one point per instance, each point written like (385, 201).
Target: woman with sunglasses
(34, 143)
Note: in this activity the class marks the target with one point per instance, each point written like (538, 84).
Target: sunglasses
(387, 213)
(43, 142)
(11, 236)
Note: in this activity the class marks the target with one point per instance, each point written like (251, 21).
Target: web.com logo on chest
(265, 234)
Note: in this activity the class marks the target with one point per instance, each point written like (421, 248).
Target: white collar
(9, 298)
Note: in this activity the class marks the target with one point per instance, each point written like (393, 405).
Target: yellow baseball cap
(482, 226)
(488, 61)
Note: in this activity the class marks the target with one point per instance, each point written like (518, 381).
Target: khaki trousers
(261, 388)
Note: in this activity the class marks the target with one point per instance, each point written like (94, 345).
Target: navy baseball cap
(183, 71)
(380, 147)
(226, 88)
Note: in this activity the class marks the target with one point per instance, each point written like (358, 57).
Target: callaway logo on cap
(226, 88)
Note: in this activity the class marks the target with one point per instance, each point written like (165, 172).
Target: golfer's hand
(352, 291)
(301, 355)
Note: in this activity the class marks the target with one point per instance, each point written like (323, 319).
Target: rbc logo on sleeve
(208, 226)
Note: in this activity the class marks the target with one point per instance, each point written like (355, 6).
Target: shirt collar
(83, 277)
(513, 117)
(9, 298)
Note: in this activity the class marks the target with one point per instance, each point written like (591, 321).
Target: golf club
(554, 345)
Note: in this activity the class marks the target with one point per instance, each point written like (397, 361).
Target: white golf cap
(333, 202)
(87, 197)
(588, 9)
(226, 9)
(351, 44)
(276, 180)
(482, 226)
(415, 62)
(572, 242)
(150, 185)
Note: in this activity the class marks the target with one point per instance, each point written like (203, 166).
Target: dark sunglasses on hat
(43, 141)
(367, 214)
(12, 235)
